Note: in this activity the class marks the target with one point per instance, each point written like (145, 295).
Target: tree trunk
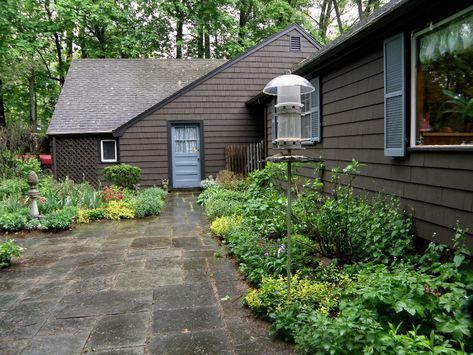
(337, 14)
(246, 7)
(99, 33)
(57, 43)
(361, 13)
(70, 45)
(207, 42)
(200, 41)
(179, 37)
(3, 120)
(32, 92)
(81, 41)
(324, 19)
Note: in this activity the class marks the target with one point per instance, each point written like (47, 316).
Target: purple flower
(266, 254)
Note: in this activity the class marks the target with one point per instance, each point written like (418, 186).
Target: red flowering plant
(113, 193)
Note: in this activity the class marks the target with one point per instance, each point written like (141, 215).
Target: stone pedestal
(33, 193)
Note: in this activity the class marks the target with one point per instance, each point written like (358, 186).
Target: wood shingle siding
(219, 102)
(437, 185)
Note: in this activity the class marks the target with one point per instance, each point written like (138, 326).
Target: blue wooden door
(185, 155)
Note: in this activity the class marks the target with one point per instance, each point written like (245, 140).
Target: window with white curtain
(443, 82)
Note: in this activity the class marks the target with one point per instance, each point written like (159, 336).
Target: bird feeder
(288, 88)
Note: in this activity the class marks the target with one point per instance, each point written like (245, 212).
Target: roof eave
(75, 133)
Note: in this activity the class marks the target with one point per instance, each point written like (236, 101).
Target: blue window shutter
(394, 97)
(315, 111)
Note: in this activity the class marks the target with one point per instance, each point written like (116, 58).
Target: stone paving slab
(23, 320)
(211, 342)
(106, 302)
(184, 296)
(186, 319)
(153, 286)
(120, 330)
(56, 344)
(68, 326)
(122, 351)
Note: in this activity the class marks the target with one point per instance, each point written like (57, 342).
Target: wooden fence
(244, 158)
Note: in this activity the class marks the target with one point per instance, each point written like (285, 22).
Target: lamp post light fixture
(288, 88)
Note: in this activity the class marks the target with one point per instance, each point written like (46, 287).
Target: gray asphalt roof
(100, 95)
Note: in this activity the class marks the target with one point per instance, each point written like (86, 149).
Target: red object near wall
(46, 159)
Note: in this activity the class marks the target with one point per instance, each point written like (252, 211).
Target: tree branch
(50, 75)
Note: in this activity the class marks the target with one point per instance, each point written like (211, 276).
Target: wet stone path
(151, 286)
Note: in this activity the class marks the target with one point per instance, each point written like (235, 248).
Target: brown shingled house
(381, 100)
(170, 117)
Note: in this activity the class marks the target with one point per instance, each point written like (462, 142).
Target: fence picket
(244, 158)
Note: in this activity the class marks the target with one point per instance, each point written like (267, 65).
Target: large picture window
(108, 151)
(443, 87)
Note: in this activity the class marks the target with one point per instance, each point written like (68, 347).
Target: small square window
(108, 151)
(295, 43)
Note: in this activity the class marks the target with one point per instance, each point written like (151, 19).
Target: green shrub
(24, 166)
(86, 216)
(60, 219)
(13, 221)
(270, 176)
(149, 202)
(123, 175)
(32, 223)
(211, 188)
(15, 139)
(229, 180)
(223, 226)
(58, 195)
(426, 310)
(8, 249)
(266, 210)
(224, 203)
(272, 295)
(379, 230)
(13, 187)
(115, 210)
(12, 204)
(352, 228)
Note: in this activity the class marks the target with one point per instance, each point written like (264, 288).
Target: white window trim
(413, 118)
(102, 159)
(307, 112)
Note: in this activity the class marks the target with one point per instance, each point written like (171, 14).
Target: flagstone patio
(151, 286)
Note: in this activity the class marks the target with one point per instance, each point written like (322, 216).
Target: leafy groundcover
(359, 285)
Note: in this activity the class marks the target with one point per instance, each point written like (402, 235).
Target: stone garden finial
(33, 193)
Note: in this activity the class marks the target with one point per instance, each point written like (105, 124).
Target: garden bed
(377, 295)
(61, 204)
